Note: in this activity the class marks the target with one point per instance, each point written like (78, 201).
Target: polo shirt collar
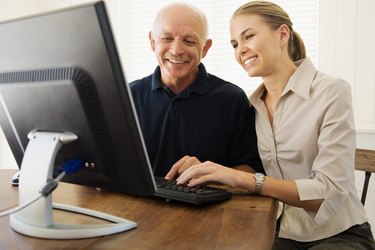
(199, 85)
(156, 79)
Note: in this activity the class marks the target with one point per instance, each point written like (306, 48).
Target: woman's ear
(284, 34)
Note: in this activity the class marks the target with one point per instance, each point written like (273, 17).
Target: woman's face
(257, 47)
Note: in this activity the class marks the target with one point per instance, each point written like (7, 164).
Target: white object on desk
(36, 220)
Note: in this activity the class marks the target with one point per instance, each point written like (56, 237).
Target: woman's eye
(247, 37)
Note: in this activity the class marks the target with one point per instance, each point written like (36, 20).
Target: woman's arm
(282, 190)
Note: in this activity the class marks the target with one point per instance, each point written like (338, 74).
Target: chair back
(365, 161)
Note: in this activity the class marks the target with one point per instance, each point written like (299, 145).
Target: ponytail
(296, 47)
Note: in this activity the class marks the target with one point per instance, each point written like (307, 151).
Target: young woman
(306, 137)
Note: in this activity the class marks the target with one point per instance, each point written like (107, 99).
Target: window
(135, 19)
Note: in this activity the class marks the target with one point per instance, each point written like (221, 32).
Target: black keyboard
(197, 195)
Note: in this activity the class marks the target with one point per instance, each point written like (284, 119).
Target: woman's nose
(241, 49)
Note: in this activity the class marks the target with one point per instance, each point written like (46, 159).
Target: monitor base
(74, 231)
(36, 220)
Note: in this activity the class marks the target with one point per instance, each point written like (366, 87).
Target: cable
(44, 192)
(16, 209)
(70, 167)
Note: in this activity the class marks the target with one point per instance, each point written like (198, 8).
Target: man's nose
(177, 48)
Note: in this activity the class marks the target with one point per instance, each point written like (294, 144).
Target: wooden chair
(365, 161)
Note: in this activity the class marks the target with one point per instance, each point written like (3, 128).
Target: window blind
(135, 19)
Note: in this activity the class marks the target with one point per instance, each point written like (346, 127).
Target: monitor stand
(36, 220)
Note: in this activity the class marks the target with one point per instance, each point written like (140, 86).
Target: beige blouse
(312, 141)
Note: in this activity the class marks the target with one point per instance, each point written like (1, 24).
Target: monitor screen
(60, 71)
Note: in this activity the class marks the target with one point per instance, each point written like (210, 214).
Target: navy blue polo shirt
(211, 119)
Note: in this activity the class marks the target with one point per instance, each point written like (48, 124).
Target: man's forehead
(180, 30)
(182, 27)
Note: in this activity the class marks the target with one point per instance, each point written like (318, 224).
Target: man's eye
(190, 42)
(166, 39)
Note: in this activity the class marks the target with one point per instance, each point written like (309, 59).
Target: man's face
(177, 41)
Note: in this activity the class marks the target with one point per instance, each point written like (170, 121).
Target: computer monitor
(63, 95)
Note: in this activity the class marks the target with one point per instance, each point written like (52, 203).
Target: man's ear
(206, 47)
(152, 40)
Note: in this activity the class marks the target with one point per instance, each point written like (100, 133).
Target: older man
(182, 109)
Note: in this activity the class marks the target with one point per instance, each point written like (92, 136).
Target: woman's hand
(181, 165)
(210, 172)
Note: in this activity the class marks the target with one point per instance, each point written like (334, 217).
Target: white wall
(346, 49)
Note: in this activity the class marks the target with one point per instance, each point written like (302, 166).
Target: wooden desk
(244, 222)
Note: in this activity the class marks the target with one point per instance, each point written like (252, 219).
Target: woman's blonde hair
(275, 16)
